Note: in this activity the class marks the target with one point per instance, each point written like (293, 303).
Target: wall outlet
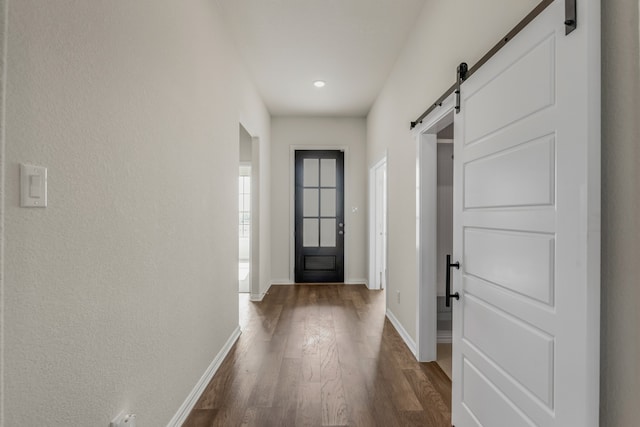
(124, 420)
(398, 296)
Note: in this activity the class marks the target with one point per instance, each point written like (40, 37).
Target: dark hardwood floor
(322, 355)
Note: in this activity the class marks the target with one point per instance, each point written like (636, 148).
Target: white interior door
(527, 230)
(381, 226)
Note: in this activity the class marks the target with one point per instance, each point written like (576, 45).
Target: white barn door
(527, 230)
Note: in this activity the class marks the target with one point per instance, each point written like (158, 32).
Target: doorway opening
(244, 212)
(444, 242)
(378, 225)
(434, 234)
(244, 232)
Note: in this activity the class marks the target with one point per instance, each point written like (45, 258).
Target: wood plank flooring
(322, 355)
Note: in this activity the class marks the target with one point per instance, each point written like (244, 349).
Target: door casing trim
(373, 284)
(427, 228)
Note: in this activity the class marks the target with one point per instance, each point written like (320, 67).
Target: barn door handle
(448, 281)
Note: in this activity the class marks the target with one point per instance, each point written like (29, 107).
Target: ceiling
(350, 44)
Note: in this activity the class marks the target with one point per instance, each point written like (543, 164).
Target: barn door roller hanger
(570, 15)
(462, 71)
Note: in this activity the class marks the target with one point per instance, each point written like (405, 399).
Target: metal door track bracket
(570, 16)
(462, 70)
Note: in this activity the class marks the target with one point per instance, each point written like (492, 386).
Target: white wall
(620, 340)
(3, 51)
(120, 294)
(447, 32)
(319, 132)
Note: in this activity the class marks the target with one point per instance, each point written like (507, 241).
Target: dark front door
(319, 210)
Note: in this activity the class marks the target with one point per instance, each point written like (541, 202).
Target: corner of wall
(406, 337)
(190, 402)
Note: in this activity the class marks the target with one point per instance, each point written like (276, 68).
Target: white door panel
(536, 64)
(538, 315)
(533, 219)
(526, 230)
(526, 176)
(486, 404)
(500, 336)
(518, 262)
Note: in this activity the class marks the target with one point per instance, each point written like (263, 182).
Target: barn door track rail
(463, 72)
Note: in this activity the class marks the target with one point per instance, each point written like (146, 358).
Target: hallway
(322, 355)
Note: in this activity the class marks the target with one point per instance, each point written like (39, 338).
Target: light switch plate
(33, 186)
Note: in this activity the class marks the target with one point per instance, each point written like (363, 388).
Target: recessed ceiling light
(319, 83)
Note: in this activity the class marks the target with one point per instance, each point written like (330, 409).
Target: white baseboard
(374, 286)
(444, 337)
(403, 333)
(281, 282)
(357, 282)
(185, 409)
(259, 297)
(278, 282)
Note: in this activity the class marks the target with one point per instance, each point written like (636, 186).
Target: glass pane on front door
(328, 202)
(328, 232)
(310, 202)
(328, 172)
(311, 173)
(310, 235)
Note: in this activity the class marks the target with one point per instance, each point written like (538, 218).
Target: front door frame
(426, 138)
(292, 204)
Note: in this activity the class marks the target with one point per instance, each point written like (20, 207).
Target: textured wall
(447, 32)
(3, 41)
(620, 329)
(119, 294)
(318, 132)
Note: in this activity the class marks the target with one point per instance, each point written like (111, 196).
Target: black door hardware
(448, 281)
